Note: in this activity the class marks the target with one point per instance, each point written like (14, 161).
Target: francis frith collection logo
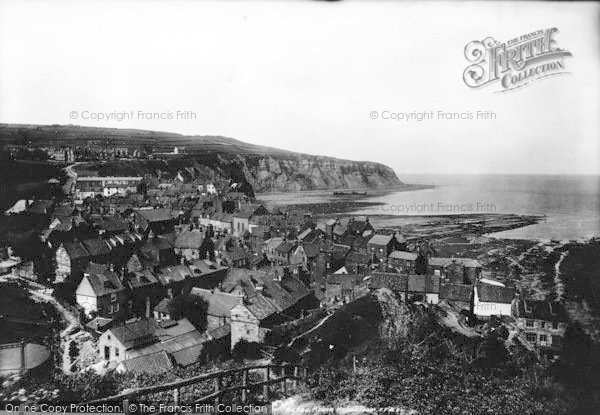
(515, 63)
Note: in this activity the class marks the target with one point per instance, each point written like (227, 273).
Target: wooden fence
(245, 383)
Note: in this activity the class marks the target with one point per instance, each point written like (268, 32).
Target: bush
(245, 350)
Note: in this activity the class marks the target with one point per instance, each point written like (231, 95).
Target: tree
(191, 307)
(245, 350)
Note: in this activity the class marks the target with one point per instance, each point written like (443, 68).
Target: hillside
(264, 168)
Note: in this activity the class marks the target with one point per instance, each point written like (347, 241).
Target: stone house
(544, 323)
(101, 291)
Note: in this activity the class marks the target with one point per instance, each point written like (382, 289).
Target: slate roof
(153, 363)
(189, 239)
(541, 310)
(175, 273)
(494, 294)
(285, 247)
(428, 284)
(76, 250)
(403, 255)
(219, 303)
(140, 279)
(102, 280)
(220, 332)
(96, 247)
(156, 215)
(311, 250)
(439, 262)
(392, 281)
(382, 240)
(456, 292)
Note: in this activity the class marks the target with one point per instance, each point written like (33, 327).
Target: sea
(568, 204)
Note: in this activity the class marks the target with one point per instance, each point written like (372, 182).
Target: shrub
(245, 350)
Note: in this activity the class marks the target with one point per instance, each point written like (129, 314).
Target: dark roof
(140, 279)
(541, 310)
(158, 242)
(394, 282)
(311, 250)
(456, 292)
(96, 247)
(76, 250)
(102, 280)
(175, 273)
(156, 215)
(153, 363)
(357, 258)
(220, 332)
(347, 281)
(285, 247)
(219, 303)
(494, 293)
(423, 284)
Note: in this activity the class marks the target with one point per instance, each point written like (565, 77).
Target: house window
(543, 338)
(555, 325)
(116, 352)
(543, 323)
(530, 337)
(113, 298)
(529, 323)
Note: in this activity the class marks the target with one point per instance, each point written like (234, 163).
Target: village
(165, 271)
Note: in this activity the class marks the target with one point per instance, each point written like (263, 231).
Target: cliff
(266, 169)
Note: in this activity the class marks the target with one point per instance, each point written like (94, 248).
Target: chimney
(148, 307)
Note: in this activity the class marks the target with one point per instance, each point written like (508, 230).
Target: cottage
(178, 338)
(459, 295)
(101, 291)
(492, 300)
(380, 246)
(403, 261)
(423, 288)
(187, 244)
(220, 305)
(155, 221)
(544, 323)
(283, 252)
(344, 288)
(269, 247)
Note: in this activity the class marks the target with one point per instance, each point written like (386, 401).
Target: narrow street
(71, 319)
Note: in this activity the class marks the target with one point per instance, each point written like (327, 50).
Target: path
(316, 326)
(72, 324)
(559, 286)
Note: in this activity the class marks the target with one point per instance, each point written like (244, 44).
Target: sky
(306, 76)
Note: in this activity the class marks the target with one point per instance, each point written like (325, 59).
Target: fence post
(176, 396)
(244, 384)
(217, 389)
(295, 381)
(266, 385)
(284, 380)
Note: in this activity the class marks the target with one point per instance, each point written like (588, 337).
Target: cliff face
(305, 172)
(265, 169)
